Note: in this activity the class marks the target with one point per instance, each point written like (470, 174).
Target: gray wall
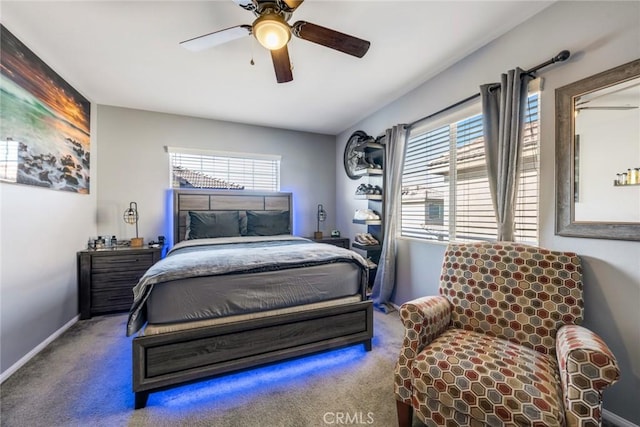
(41, 230)
(600, 35)
(134, 166)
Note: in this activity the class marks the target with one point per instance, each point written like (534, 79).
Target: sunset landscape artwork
(44, 123)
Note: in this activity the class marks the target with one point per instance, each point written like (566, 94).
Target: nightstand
(342, 242)
(106, 278)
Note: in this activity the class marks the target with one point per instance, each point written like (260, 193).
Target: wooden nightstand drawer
(119, 261)
(110, 300)
(106, 278)
(342, 242)
(122, 279)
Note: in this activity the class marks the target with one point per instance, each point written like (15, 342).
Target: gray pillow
(243, 222)
(267, 223)
(202, 225)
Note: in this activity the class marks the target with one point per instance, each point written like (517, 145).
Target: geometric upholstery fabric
(491, 380)
(501, 344)
(512, 291)
(588, 366)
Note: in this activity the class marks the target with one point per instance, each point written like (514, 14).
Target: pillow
(243, 222)
(267, 223)
(202, 225)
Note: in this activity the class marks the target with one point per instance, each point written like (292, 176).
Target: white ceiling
(126, 53)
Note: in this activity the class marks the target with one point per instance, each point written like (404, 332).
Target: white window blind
(445, 189)
(223, 170)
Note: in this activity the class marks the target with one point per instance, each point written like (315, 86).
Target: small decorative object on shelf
(630, 177)
(321, 216)
(131, 217)
(335, 233)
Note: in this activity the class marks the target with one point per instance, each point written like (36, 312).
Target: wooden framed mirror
(598, 155)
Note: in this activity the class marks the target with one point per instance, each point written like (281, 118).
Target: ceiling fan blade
(245, 4)
(282, 64)
(216, 38)
(330, 38)
(292, 4)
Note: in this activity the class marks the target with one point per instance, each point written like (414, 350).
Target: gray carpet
(84, 379)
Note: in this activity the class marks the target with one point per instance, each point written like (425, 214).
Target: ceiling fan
(272, 30)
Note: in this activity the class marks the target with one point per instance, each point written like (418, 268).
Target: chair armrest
(587, 366)
(424, 319)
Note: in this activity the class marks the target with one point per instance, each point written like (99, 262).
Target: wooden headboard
(186, 200)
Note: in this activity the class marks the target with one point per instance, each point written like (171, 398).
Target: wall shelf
(369, 146)
(366, 247)
(368, 197)
(367, 221)
(368, 172)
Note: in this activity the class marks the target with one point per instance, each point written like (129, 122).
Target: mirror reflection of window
(607, 129)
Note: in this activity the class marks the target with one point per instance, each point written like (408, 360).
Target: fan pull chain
(252, 62)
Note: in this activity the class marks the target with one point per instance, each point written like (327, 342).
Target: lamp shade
(271, 31)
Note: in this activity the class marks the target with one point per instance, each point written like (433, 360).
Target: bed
(191, 314)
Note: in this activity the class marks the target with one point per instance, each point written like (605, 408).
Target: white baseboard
(394, 305)
(617, 420)
(20, 363)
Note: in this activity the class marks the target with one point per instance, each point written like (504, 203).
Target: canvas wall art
(44, 123)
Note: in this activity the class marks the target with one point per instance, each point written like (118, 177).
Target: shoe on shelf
(362, 189)
(365, 214)
(366, 239)
(372, 240)
(377, 190)
(359, 238)
(361, 214)
(363, 164)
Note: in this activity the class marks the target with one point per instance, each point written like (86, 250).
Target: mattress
(210, 297)
(155, 329)
(215, 278)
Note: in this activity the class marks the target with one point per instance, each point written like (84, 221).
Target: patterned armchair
(501, 345)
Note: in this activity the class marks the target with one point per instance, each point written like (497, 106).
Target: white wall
(609, 145)
(134, 166)
(40, 232)
(600, 35)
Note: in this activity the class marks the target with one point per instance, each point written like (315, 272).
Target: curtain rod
(562, 56)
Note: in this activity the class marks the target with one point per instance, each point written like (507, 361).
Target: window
(9, 160)
(223, 170)
(445, 189)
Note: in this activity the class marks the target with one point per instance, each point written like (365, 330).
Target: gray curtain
(396, 141)
(503, 110)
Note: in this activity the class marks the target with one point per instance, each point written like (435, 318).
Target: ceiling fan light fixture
(271, 31)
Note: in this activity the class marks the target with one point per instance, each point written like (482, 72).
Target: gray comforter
(234, 255)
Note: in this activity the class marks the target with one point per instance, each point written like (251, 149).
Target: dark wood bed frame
(176, 358)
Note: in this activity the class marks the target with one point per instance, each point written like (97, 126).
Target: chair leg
(405, 414)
